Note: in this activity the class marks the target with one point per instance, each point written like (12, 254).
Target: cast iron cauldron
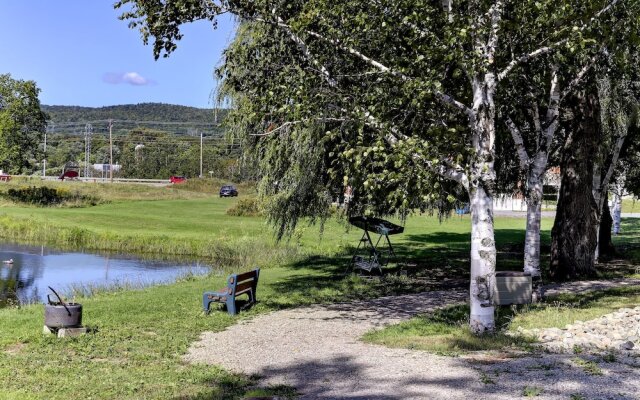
(62, 315)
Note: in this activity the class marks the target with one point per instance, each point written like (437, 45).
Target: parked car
(177, 179)
(228, 191)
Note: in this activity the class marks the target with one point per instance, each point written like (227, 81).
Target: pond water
(35, 268)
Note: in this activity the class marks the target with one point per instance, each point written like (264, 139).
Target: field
(139, 336)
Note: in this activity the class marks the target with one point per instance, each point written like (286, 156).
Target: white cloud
(131, 78)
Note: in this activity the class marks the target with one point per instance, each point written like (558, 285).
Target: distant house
(517, 202)
(105, 167)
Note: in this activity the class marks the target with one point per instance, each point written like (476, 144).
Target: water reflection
(35, 268)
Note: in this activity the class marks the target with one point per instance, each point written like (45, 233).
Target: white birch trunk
(617, 209)
(535, 168)
(483, 261)
(532, 236)
(598, 188)
(483, 246)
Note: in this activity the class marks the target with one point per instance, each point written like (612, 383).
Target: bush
(46, 196)
(246, 208)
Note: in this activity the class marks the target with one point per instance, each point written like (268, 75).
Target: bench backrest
(240, 283)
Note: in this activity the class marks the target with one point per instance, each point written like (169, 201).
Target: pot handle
(59, 298)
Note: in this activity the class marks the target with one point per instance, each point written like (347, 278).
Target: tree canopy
(22, 124)
(391, 97)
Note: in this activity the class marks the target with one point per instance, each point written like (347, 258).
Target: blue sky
(79, 53)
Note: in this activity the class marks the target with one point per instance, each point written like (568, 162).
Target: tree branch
(553, 46)
(492, 43)
(574, 83)
(524, 58)
(304, 48)
(445, 98)
(523, 156)
(290, 123)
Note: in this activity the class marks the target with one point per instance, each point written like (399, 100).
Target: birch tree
(619, 115)
(534, 163)
(565, 72)
(410, 84)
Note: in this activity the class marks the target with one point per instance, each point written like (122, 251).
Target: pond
(33, 269)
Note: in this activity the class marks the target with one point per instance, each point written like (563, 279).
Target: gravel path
(317, 350)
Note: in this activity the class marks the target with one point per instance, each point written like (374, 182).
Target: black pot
(68, 315)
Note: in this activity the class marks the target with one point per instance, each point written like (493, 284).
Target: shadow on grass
(423, 262)
(446, 331)
(587, 298)
(230, 386)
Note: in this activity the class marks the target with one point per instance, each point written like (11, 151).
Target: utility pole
(110, 152)
(44, 156)
(200, 154)
(88, 132)
(44, 160)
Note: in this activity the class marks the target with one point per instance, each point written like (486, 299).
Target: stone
(626, 345)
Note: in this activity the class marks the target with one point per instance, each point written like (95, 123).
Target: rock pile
(618, 331)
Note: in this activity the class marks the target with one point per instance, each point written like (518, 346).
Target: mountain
(159, 116)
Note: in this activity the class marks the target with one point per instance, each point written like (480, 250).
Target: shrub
(46, 196)
(246, 208)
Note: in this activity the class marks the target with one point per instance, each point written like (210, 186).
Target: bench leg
(231, 305)
(206, 302)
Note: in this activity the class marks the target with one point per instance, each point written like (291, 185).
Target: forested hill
(132, 112)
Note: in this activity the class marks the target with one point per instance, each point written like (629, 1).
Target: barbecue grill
(375, 257)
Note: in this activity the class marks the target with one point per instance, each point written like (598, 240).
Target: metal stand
(376, 259)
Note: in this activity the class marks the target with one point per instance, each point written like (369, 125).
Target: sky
(79, 53)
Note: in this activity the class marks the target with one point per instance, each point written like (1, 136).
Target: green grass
(140, 335)
(135, 351)
(588, 366)
(446, 331)
(630, 206)
(531, 391)
(565, 309)
(175, 222)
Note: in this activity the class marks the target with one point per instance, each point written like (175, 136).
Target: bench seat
(237, 284)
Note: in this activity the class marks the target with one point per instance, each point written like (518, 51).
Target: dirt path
(317, 350)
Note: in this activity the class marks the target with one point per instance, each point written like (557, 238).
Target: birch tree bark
(617, 207)
(481, 187)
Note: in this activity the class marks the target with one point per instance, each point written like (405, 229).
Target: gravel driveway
(317, 350)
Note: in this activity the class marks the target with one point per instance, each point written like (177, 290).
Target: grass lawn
(446, 331)
(140, 335)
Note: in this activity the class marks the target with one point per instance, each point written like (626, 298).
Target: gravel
(317, 350)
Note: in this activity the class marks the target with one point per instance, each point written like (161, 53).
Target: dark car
(177, 179)
(228, 191)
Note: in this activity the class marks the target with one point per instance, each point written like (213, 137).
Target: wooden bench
(237, 284)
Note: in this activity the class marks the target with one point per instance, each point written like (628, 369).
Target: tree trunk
(532, 245)
(535, 182)
(599, 197)
(605, 244)
(617, 210)
(573, 235)
(483, 261)
(481, 186)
